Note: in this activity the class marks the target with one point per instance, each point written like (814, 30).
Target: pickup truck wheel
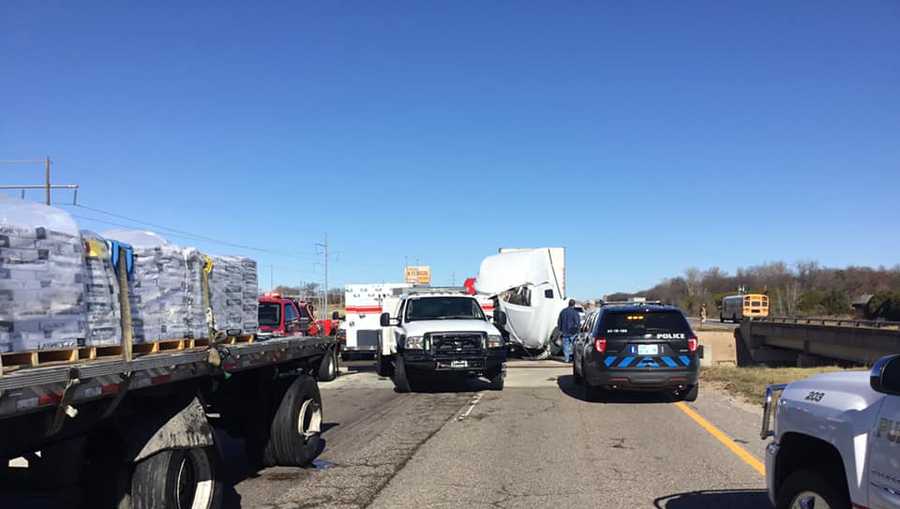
(295, 440)
(383, 365)
(496, 380)
(808, 488)
(177, 479)
(328, 367)
(401, 377)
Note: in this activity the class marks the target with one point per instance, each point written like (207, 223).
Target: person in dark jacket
(568, 324)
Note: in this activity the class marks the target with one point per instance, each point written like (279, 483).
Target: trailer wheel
(328, 370)
(177, 479)
(295, 440)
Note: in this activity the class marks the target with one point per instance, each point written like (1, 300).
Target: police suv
(836, 440)
(637, 346)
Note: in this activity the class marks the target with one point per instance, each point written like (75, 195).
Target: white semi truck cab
(836, 440)
(432, 332)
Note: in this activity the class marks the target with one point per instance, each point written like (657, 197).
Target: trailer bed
(35, 389)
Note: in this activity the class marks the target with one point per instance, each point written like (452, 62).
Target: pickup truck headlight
(414, 342)
(494, 341)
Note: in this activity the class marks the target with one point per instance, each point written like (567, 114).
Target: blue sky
(645, 137)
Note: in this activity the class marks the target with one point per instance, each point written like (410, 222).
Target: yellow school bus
(737, 307)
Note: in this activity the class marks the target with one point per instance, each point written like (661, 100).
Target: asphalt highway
(538, 443)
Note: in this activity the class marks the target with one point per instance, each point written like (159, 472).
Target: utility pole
(324, 247)
(47, 178)
(46, 186)
(271, 278)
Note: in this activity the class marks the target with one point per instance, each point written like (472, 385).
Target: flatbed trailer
(138, 432)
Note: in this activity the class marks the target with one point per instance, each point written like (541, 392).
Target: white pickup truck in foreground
(836, 440)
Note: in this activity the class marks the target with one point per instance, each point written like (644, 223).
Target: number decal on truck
(815, 396)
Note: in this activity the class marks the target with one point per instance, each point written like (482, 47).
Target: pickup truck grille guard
(456, 344)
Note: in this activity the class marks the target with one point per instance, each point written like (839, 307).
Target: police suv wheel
(691, 393)
(596, 393)
(177, 479)
(811, 489)
(576, 375)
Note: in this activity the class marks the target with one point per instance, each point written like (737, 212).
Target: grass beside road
(750, 383)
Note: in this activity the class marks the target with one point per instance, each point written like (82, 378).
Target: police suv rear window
(657, 324)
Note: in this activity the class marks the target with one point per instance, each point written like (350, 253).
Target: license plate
(648, 349)
(459, 364)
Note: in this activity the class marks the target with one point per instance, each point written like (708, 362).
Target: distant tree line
(803, 289)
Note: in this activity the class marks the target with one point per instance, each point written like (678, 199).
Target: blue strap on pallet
(114, 246)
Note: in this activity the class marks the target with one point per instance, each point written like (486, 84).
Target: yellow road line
(738, 451)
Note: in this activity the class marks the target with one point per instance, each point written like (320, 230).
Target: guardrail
(802, 341)
(833, 322)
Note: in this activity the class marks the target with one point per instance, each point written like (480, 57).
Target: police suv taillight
(693, 343)
(600, 344)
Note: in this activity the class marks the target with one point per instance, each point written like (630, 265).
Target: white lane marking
(468, 411)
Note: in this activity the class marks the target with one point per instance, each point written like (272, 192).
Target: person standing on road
(568, 323)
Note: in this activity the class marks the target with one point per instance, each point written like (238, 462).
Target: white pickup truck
(836, 440)
(434, 332)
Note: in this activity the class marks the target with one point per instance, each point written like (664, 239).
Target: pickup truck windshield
(269, 314)
(443, 308)
(632, 324)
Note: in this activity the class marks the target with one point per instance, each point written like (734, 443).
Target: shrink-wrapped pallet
(249, 295)
(162, 292)
(226, 288)
(196, 315)
(101, 293)
(41, 278)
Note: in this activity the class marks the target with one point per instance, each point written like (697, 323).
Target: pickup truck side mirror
(500, 318)
(385, 319)
(885, 375)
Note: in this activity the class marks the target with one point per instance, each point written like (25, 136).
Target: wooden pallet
(12, 361)
(234, 340)
(163, 345)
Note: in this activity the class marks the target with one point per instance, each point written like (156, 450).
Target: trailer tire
(177, 479)
(401, 377)
(295, 440)
(328, 369)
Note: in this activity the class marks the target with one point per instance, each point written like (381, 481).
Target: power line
(190, 237)
(175, 232)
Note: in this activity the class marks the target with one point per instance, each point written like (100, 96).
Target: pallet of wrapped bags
(101, 291)
(249, 295)
(226, 294)
(161, 293)
(42, 301)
